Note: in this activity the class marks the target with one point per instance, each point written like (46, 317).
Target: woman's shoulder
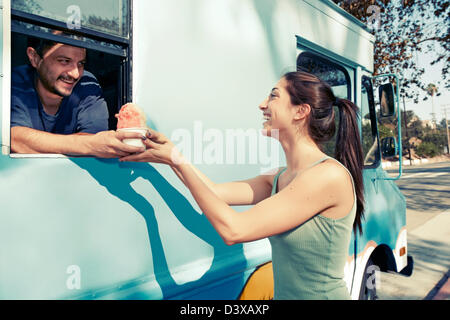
(330, 173)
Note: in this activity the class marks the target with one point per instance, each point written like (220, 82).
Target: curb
(442, 289)
(389, 164)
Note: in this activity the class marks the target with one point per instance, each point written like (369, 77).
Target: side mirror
(389, 147)
(386, 96)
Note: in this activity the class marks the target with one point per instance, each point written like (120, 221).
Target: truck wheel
(369, 281)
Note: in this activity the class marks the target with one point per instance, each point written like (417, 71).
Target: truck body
(88, 228)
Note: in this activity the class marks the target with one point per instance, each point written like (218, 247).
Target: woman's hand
(159, 150)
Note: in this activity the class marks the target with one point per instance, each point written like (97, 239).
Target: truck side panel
(94, 228)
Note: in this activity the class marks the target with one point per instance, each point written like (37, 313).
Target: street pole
(446, 127)
(433, 114)
(433, 120)
(406, 131)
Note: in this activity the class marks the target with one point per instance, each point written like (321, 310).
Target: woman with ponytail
(308, 208)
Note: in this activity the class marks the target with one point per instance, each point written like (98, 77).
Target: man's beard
(52, 88)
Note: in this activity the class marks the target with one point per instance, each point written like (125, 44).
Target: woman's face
(277, 109)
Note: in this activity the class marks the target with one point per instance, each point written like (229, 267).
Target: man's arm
(105, 144)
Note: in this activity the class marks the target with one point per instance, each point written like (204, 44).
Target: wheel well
(383, 257)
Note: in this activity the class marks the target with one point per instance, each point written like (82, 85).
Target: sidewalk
(429, 244)
(442, 290)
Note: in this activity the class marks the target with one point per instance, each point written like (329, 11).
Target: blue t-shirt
(84, 110)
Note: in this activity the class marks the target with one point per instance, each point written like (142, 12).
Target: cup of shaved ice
(132, 119)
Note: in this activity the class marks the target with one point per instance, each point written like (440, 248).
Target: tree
(403, 29)
(432, 89)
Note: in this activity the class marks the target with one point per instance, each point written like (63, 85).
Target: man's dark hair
(40, 45)
(43, 45)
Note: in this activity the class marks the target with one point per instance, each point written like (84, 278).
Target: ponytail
(348, 151)
(307, 88)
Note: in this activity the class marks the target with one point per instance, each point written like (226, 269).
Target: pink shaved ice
(130, 116)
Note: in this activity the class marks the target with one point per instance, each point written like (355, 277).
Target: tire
(369, 281)
(408, 270)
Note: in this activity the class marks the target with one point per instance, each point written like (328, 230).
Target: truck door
(382, 246)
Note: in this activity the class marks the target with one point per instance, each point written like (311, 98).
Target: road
(427, 192)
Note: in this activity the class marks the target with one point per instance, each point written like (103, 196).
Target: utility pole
(432, 90)
(433, 113)
(406, 131)
(446, 127)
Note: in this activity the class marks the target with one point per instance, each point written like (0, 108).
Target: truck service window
(106, 16)
(102, 28)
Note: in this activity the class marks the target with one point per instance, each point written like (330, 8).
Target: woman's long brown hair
(305, 88)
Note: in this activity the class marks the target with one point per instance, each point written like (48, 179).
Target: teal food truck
(90, 228)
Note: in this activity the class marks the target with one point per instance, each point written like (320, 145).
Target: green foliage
(405, 29)
(437, 138)
(427, 149)
(367, 138)
(385, 131)
(433, 141)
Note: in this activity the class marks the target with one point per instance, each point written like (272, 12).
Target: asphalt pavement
(427, 192)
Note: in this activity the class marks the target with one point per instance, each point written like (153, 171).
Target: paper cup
(134, 142)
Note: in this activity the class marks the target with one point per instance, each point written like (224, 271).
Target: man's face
(60, 68)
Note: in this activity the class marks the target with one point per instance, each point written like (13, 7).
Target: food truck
(91, 228)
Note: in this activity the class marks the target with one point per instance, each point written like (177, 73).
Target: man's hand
(105, 144)
(108, 144)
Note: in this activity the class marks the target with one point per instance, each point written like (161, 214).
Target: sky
(432, 75)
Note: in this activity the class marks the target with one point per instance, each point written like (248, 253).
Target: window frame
(49, 23)
(6, 78)
(10, 15)
(373, 120)
(329, 62)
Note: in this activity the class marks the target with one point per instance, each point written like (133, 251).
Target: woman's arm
(324, 187)
(320, 188)
(245, 192)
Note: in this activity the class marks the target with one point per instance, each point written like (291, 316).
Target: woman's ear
(33, 56)
(302, 111)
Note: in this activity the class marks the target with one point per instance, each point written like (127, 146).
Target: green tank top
(308, 260)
